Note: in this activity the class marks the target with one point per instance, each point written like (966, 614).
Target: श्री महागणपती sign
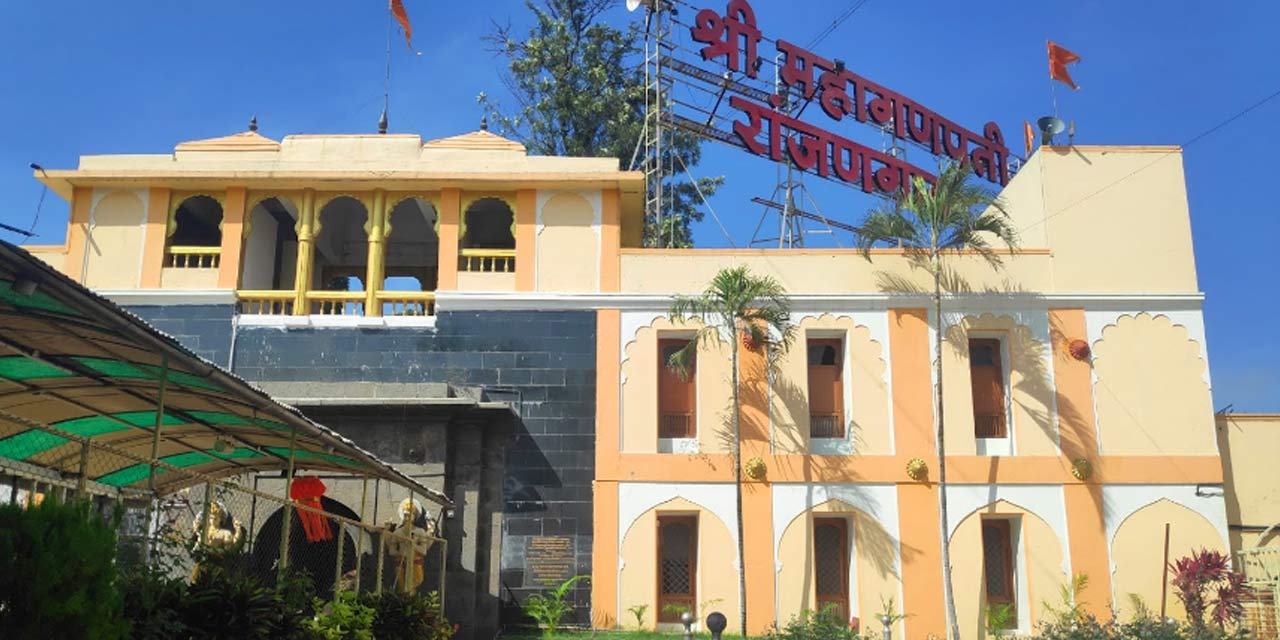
(735, 38)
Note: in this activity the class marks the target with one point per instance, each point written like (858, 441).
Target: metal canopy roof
(78, 364)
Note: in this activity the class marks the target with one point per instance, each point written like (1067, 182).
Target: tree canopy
(578, 88)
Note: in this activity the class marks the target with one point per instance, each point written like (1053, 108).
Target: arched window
(489, 242)
(195, 233)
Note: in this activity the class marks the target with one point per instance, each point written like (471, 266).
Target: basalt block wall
(541, 362)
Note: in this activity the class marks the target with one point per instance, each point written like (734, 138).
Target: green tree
(578, 86)
(735, 303)
(930, 224)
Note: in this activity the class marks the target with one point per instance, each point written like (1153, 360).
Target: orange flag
(397, 9)
(1028, 136)
(1059, 58)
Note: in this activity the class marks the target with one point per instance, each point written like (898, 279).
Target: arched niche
(271, 245)
(341, 247)
(113, 257)
(717, 582)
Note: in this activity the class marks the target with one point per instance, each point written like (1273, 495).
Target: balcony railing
(989, 425)
(193, 257)
(487, 260)
(336, 303)
(407, 303)
(266, 303)
(825, 425)
(1260, 565)
(675, 425)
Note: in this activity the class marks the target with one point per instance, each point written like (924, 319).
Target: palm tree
(955, 215)
(735, 302)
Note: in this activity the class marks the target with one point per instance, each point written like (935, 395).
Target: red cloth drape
(307, 491)
(1059, 58)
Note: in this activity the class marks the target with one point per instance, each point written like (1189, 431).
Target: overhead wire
(835, 24)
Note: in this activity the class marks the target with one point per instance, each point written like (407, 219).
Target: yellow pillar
(449, 215)
(377, 233)
(78, 233)
(526, 238)
(233, 217)
(306, 229)
(157, 230)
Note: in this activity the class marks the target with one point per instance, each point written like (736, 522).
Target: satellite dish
(1050, 126)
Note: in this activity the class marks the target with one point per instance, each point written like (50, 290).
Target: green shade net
(142, 471)
(121, 369)
(37, 300)
(19, 368)
(34, 442)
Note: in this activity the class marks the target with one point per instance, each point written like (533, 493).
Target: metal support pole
(411, 555)
(155, 455)
(1164, 581)
(287, 523)
(204, 515)
(337, 568)
(82, 481)
(364, 495)
(444, 566)
(382, 548)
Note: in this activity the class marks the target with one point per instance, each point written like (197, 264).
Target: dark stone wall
(203, 328)
(542, 362)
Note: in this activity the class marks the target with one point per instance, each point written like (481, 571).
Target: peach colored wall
(483, 281)
(1151, 395)
(717, 555)
(568, 248)
(640, 389)
(115, 242)
(1138, 547)
(1040, 566)
(1029, 379)
(864, 359)
(1250, 445)
(877, 580)
(840, 271)
(1110, 210)
(171, 278)
(52, 255)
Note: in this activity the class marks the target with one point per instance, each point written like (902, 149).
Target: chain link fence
(257, 524)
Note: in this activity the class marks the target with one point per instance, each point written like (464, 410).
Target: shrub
(408, 616)
(224, 605)
(154, 605)
(549, 608)
(345, 618)
(822, 625)
(57, 572)
(1204, 572)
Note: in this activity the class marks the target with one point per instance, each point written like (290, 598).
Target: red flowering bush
(1205, 574)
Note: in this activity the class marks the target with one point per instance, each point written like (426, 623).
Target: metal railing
(232, 524)
(675, 425)
(336, 303)
(266, 303)
(407, 303)
(193, 257)
(989, 425)
(825, 425)
(487, 260)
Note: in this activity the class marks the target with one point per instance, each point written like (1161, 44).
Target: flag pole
(386, 81)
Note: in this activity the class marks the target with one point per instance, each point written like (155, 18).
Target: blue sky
(138, 77)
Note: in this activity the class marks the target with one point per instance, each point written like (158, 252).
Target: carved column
(374, 270)
(306, 228)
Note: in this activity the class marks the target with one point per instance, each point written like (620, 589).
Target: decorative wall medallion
(755, 469)
(917, 469)
(1082, 469)
(1079, 349)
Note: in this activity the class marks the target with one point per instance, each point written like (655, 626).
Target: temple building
(490, 321)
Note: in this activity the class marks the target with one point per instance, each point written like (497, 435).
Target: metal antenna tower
(792, 210)
(657, 161)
